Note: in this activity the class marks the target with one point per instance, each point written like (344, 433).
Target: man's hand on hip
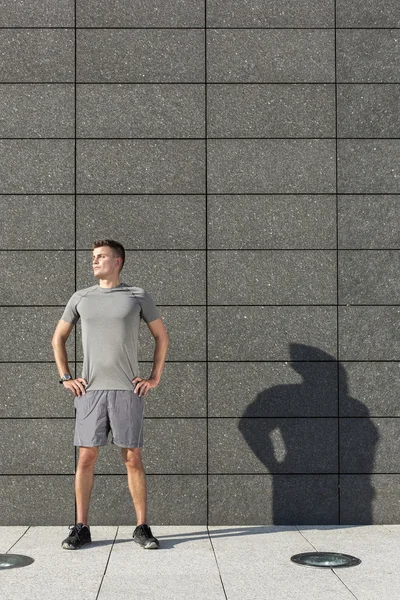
(143, 385)
(76, 386)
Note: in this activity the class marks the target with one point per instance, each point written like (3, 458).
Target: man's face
(105, 264)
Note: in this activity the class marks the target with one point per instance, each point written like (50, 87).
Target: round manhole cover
(13, 561)
(327, 560)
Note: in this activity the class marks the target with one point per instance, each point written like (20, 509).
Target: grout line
(108, 560)
(200, 27)
(75, 243)
(337, 281)
(333, 571)
(18, 539)
(176, 250)
(202, 83)
(206, 258)
(201, 194)
(190, 139)
(216, 562)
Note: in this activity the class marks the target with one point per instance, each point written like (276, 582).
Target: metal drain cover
(327, 560)
(14, 561)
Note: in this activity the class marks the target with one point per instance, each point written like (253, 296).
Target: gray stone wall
(247, 156)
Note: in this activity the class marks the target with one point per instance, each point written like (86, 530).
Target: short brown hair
(118, 249)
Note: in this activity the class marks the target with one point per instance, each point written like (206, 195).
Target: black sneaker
(142, 535)
(80, 534)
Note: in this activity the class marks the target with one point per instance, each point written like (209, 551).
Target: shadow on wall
(298, 444)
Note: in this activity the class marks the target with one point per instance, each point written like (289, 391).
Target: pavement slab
(200, 562)
(184, 567)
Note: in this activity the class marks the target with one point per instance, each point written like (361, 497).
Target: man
(110, 394)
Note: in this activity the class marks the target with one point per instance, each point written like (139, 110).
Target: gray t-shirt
(110, 320)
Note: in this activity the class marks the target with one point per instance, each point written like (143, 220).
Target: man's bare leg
(84, 478)
(136, 481)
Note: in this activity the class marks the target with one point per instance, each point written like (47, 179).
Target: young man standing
(110, 394)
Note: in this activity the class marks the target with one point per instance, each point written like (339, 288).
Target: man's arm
(160, 335)
(60, 336)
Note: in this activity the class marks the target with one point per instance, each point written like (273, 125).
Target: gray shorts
(100, 411)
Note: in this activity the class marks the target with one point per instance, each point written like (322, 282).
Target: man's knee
(132, 458)
(87, 455)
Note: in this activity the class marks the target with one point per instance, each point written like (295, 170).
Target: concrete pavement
(199, 562)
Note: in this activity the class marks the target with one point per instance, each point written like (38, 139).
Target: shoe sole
(148, 546)
(67, 546)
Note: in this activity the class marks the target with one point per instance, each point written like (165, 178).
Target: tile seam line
(337, 274)
(201, 139)
(200, 28)
(216, 562)
(176, 250)
(20, 537)
(106, 565)
(257, 82)
(75, 452)
(302, 533)
(206, 260)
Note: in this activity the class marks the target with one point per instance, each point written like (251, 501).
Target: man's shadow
(319, 456)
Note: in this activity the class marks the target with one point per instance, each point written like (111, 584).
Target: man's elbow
(57, 341)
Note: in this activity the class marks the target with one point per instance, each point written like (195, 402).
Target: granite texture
(271, 166)
(161, 166)
(369, 166)
(255, 277)
(266, 332)
(31, 390)
(140, 110)
(369, 333)
(274, 389)
(270, 110)
(368, 110)
(294, 56)
(36, 166)
(273, 445)
(274, 221)
(34, 499)
(280, 499)
(369, 498)
(37, 446)
(40, 266)
(370, 13)
(37, 55)
(36, 222)
(270, 13)
(37, 13)
(138, 55)
(175, 221)
(369, 389)
(358, 283)
(151, 13)
(368, 221)
(37, 110)
(367, 56)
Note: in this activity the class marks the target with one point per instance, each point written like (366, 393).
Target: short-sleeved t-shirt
(110, 320)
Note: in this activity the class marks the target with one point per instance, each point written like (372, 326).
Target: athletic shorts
(100, 411)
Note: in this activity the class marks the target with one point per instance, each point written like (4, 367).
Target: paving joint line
(108, 560)
(18, 539)
(332, 570)
(216, 562)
